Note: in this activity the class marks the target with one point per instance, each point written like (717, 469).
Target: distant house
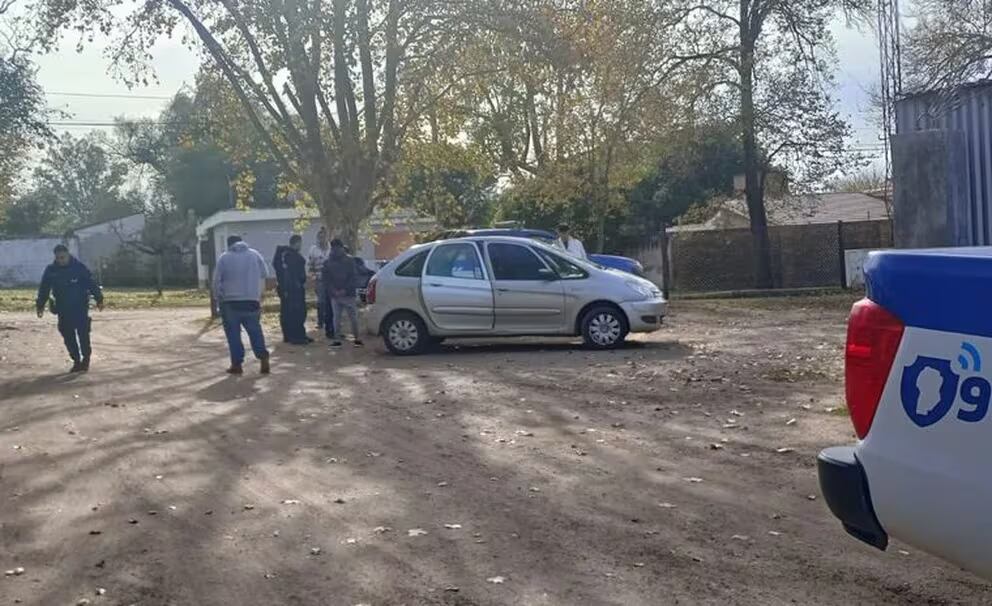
(385, 236)
(23, 259)
(811, 209)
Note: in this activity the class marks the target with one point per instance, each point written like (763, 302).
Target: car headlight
(641, 290)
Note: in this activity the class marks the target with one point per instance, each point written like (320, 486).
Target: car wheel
(604, 327)
(405, 334)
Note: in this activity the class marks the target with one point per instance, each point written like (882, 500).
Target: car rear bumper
(645, 316)
(845, 488)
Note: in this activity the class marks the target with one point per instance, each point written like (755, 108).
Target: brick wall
(802, 255)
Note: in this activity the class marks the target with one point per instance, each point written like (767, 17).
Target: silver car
(500, 287)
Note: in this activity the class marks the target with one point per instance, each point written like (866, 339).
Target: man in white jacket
(569, 244)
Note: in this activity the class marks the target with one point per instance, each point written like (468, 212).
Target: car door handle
(502, 290)
(434, 284)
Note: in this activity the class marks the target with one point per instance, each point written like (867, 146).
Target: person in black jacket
(291, 274)
(72, 286)
(339, 276)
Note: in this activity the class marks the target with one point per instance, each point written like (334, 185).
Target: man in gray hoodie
(239, 280)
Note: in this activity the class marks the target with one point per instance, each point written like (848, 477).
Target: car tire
(405, 334)
(604, 327)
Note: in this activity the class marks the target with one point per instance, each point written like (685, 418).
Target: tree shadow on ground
(348, 452)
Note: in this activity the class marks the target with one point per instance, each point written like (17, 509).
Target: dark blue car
(631, 266)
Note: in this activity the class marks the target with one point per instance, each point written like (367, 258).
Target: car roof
(507, 231)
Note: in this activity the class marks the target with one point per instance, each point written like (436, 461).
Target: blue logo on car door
(929, 388)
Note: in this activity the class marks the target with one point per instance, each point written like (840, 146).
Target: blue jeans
(340, 307)
(248, 315)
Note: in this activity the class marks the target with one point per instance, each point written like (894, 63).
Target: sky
(86, 73)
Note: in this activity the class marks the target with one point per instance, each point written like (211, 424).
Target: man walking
(315, 261)
(72, 285)
(339, 276)
(239, 280)
(291, 275)
(566, 242)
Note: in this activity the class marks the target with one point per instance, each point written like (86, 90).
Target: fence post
(842, 264)
(666, 274)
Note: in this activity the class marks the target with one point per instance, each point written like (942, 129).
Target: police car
(918, 366)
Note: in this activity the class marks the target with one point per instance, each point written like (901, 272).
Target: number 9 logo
(977, 392)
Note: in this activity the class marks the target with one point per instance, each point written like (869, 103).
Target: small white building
(266, 228)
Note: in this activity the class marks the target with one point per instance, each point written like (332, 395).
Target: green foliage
(77, 182)
(23, 299)
(23, 124)
(693, 166)
(203, 152)
(450, 182)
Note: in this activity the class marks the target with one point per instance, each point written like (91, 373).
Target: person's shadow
(230, 388)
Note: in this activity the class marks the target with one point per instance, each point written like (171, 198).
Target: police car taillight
(370, 291)
(873, 337)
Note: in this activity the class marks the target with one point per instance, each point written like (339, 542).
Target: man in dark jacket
(291, 274)
(71, 283)
(339, 277)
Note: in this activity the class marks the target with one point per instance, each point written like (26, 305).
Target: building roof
(107, 222)
(795, 210)
(379, 221)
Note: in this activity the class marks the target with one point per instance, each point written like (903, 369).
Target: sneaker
(266, 369)
(335, 344)
(235, 369)
(76, 367)
(357, 343)
(84, 366)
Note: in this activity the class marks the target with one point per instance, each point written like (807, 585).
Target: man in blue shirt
(71, 284)
(239, 280)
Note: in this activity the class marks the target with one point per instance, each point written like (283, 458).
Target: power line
(108, 95)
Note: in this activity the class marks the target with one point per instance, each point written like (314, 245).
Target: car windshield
(587, 263)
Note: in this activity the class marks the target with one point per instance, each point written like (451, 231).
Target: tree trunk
(754, 190)
(159, 272)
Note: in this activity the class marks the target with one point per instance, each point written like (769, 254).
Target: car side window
(414, 266)
(515, 262)
(455, 261)
(566, 269)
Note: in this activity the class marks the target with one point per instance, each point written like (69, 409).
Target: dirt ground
(521, 472)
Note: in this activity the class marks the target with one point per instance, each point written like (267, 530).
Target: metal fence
(968, 111)
(803, 256)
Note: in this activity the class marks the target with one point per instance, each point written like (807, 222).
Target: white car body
(919, 388)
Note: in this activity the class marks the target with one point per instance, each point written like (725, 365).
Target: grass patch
(840, 301)
(23, 299)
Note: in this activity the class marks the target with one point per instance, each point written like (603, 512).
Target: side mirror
(547, 274)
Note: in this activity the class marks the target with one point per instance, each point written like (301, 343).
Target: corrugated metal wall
(971, 113)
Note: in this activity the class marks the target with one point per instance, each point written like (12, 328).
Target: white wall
(23, 261)
(100, 242)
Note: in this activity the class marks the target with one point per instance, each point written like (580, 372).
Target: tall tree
(332, 86)
(777, 61)
(950, 44)
(202, 151)
(23, 112)
(450, 182)
(86, 182)
(578, 89)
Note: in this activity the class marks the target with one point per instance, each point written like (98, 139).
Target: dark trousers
(328, 315)
(293, 315)
(248, 315)
(76, 334)
(322, 305)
